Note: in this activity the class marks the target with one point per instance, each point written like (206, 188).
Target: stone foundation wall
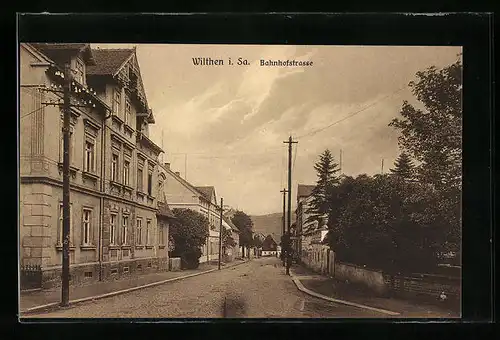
(89, 273)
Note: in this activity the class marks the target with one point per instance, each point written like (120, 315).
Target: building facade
(181, 194)
(114, 210)
(269, 246)
(231, 253)
(304, 197)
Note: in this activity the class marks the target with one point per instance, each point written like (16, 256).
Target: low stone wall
(373, 279)
(317, 258)
(429, 286)
(174, 264)
(83, 274)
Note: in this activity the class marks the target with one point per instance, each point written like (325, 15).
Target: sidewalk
(360, 295)
(48, 296)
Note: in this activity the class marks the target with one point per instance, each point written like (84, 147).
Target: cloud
(232, 121)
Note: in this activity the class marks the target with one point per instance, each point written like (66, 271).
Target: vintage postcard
(239, 181)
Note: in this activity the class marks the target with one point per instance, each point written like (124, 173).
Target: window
(114, 168)
(128, 112)
(112, 229)
(60, 228)
(80, 71)
(139, 232)
(139, 179)
(89, 164)
(148, 232)
(117, 100)
(126, 172)
(161, 237)
(150, 183)
(124, 229)
(86, 225)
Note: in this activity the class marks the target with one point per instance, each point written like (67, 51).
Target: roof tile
(305, 190)
(108, 61)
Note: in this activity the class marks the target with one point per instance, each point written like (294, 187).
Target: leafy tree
(227, 239)
(257, 241)
(245, 225)
(189, 233)
(326, 170)
(433, 136)
(404, 167)
(388, 224)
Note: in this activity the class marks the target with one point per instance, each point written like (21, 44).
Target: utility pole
(284, 191)
(289, 142)
(382, 169)
(66, 106)
(66, 195)
(220, 231)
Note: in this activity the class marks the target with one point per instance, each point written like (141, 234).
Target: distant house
(309, 232)
(269, 246)
(181, 194)
(233, 252)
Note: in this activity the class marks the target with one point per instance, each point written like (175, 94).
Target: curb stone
(301, 287)
(55, 305)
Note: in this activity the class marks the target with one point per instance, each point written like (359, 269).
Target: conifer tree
(404, 167)
(327, 170)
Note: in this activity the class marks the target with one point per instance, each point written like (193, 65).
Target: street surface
(257, 289)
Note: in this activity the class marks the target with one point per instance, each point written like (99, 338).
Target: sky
(224, 126)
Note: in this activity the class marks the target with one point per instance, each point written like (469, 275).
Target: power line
(352, 114)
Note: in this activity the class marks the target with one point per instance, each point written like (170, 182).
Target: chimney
(178, 173)
(167, 166)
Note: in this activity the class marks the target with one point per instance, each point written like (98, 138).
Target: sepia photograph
(175, 181)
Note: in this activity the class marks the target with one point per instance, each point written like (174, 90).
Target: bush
(190, 259)
(188, 232)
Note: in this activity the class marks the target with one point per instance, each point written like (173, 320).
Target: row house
(234, 252)
(118, 226)
(181, 194)
(311, 233)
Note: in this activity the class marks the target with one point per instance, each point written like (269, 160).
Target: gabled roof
(207, 192)
(274, 238)
(304, 190)
(268, 241)
(164, 210)
(55, 50)
(37, 53)
(231, 224)
(109, 61)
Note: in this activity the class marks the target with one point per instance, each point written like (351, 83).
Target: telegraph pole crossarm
(289, 142)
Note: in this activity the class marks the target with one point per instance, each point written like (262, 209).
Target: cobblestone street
(257, 289)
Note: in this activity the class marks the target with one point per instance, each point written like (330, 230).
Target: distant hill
(269, 224)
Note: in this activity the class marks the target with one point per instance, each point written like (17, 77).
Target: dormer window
(80, 71)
